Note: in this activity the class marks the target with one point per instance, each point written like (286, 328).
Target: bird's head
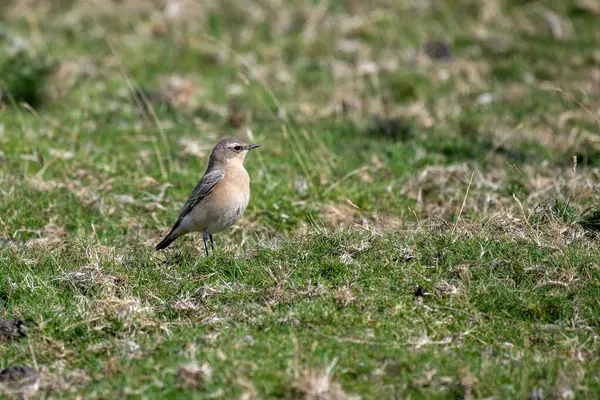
(231, 150)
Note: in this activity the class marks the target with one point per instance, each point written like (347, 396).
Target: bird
(221, 196)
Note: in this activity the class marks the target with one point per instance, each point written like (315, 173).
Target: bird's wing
(203, 189)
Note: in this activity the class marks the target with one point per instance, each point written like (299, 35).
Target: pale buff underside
(222, 207)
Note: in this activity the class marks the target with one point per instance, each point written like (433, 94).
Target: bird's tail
(170, 238)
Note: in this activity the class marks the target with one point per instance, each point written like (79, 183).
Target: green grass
(263, 315)
(417, 227)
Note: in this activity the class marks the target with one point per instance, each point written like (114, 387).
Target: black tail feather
(165, 242)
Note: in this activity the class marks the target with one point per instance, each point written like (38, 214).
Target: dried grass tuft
(345, 297)
(318, 384)
(194, 376)
(93, 276)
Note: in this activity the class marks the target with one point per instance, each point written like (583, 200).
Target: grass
(418, 227)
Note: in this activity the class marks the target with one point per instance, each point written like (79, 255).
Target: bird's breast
(223, 206)
(229, 201)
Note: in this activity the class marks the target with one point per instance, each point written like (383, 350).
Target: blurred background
(370, 112)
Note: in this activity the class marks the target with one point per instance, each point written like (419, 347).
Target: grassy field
(423, 212)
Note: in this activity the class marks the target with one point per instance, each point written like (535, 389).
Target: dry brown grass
(318, 384)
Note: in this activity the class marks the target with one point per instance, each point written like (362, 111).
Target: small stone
(438, 49)
(12, 330)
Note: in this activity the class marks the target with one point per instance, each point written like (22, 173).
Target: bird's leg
(212, 244)
(206, 242)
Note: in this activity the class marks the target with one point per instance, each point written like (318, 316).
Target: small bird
(221, 196)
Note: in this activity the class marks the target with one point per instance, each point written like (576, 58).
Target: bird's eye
(237, 148)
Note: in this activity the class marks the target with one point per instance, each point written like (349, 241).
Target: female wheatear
(221, 196)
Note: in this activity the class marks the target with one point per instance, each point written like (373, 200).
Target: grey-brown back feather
(202, 189)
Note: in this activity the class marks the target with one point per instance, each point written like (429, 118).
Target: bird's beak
(253, 146)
